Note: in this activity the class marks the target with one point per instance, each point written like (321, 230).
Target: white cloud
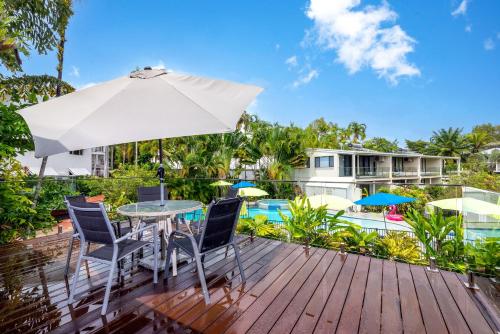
(363, 37)
(468, 28)
(75, 71)
(306, 78)
(461, 9)
(159, 66)
(291, 61)
(489, 44)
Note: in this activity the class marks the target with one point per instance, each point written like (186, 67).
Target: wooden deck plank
(431, 314)
(410, 309)
(372, 304)
(290, 316)
(468, 308)
(449, 309)
(285, 292)
(222, 297)
(223, 310)
(282, 273)
(148, 296)
(310, 315)
(273, 312)
(294, 275)
(391, 321)
(330, 315)
(175, 309)
(351, 313)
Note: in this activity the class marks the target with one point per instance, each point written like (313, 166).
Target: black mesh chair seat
(125, 247)
(186, 245)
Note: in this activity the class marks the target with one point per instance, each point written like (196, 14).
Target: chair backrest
(75, 199)
(146, 194)
(220, 223)
(92, 223)
(232, 192)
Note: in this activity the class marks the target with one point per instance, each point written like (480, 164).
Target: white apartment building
(347, 173)
(75, 163)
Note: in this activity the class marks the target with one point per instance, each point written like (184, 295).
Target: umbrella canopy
(243, 184)
(220, 183)
(147, 104)
(332, 202)
(251, 192)
(384, 199)
(467, 205)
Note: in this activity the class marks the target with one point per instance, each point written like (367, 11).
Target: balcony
(345, 171)
(370, 172)
(431, 171)
(405, 172)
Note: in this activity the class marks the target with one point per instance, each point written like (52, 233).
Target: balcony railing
(345, 171)
(430, 171)
(370, 172)
(405, 172)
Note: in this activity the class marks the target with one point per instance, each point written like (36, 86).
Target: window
(323, 162)
(77, 152)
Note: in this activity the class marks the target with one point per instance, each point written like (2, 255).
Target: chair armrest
(140, 230)
(184, 234)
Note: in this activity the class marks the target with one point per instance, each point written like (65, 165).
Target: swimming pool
(273, 215)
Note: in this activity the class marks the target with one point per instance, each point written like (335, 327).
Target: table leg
(162, 244)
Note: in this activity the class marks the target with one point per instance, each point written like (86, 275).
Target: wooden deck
(287, 291)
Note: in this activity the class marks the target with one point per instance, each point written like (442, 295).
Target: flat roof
(372, 152)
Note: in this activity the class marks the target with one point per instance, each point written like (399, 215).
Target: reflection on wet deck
(287, 290)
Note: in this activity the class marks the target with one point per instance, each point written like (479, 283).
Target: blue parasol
(243, 184)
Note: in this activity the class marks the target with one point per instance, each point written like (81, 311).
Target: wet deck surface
(286, 291)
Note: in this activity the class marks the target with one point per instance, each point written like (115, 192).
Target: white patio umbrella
(147, 104)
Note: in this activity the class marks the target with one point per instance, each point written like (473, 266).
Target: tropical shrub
(256, 226)
(484, 255)
(397, 245)
(306, 224)
(361, 241)
(435, 232)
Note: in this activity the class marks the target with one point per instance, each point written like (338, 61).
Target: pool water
(273, 215)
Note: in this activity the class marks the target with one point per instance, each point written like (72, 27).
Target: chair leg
(170, 249)
(75, 277)
(201, 275)
(237, 255)
(108, 287)
(68, 258)
(155, 254)
(87, 262)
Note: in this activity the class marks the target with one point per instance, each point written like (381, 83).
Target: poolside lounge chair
(82, 201)
(217, 233)
(93, 225)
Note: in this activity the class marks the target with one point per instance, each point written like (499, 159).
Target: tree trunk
(60, 58)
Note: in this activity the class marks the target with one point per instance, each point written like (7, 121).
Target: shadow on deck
(286, 291)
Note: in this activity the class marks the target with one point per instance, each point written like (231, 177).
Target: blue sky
(404, 68)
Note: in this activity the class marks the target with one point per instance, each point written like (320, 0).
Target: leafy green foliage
(399, 246)
(259, 226)
(306, 223)
(484, 255)
(361, 241)
(381, 144)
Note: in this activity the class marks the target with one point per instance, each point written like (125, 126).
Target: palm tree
(358, 131)
(478, 140)
(448, 142)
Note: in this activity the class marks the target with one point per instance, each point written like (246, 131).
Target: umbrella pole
(161, 174)
(385, 222)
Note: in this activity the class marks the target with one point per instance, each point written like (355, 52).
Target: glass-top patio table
(163, 215)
